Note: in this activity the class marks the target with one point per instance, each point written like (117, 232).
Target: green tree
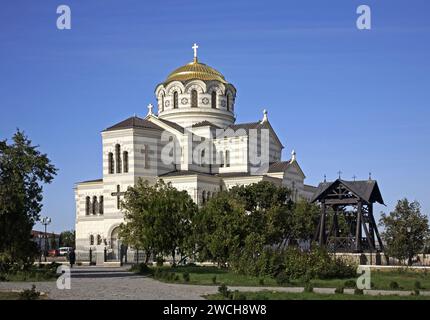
(53, 242)
(23, 171)
(67, 238)
(157, 219)
(220, 228)
(406, 230)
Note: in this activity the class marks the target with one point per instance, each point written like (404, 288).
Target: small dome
(195, 70)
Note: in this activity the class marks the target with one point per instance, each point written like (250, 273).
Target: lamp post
(45, 221)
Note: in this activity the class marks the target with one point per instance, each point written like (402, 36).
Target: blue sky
(344, 99)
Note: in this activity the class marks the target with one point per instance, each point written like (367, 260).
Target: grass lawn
(33, 276)
(9, 296)
(206, 275)
(268, 295)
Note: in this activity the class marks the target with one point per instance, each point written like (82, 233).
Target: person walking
(72, 257)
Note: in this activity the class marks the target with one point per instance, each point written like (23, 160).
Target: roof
(246, 126)
(179, 173)
(92, 181)
(195, 70)
(367, 190)
(254, 125)
(134, 122)
(279, 166)
(172, 125)
(204, 123)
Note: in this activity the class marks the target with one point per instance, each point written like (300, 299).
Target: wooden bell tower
(350, 202)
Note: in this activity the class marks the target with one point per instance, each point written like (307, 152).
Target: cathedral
(191, 141)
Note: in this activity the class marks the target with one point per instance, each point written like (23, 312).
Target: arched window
(91, 240)
(213, 99)
(94, 206)
(99, 239)
(228, 102)
(175, 99)
(208, 195)
(203, 196)
(110, 163)
(125, 160)
(194, 98)
(118, 158)
(221, 159)
(202, 158)
(101, 208)
(227, 158)
(87, 205)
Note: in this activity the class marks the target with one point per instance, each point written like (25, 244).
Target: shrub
(176, 278)
(416, 292)
(308, 287)
(358, 291)
(282, 278)
(159, 261)
(394, 285)
(349, 284)
(170, 276)
(186, 276)
(141, 268)
(417, 285)
(214, 279)
(339, 290)
(261, 281)
(29, 294)
(238, 295)
(223, 290)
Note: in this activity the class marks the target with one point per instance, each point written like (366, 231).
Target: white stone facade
(193, 143)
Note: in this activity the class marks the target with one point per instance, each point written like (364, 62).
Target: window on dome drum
(110, 163)
(101, 199)
(213, 99)
(118, 158)
(228, 102)
(94, 205)
(194, 98)
(125, 160)
(99, 239)
(87, 205)
(175, 100)
(91, 240)
(227, 158)
(221, 158)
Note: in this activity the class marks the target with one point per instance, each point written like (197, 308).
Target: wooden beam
(322, 225)
(358, 229)
(349, 201)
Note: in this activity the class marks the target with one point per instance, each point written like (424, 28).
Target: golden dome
(195, 70)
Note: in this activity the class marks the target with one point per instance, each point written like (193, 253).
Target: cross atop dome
(195, 47)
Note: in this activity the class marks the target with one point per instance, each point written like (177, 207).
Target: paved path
(90, 283)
